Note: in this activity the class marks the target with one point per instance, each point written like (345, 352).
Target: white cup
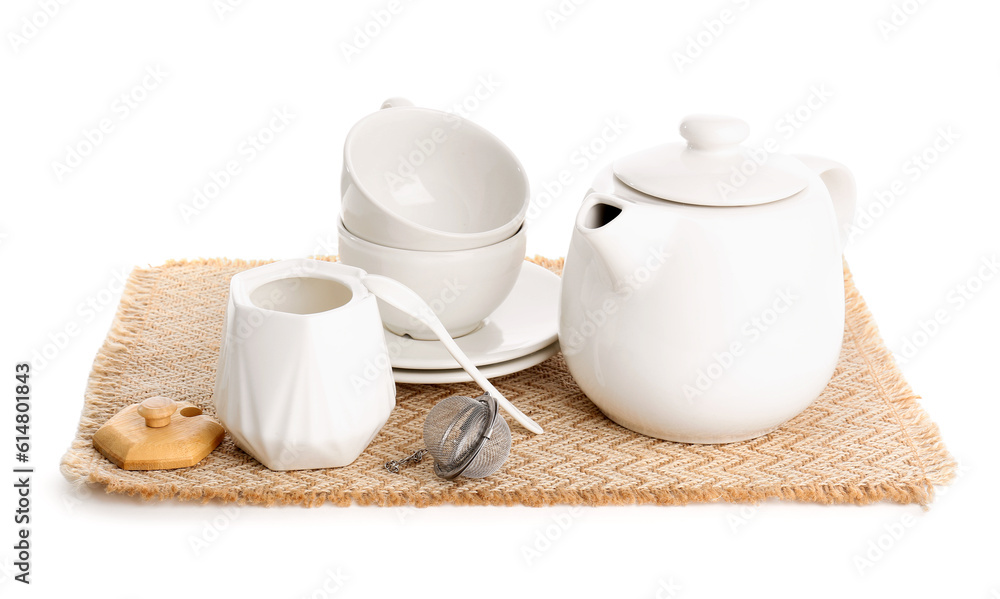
(422, 179)
(462, 287)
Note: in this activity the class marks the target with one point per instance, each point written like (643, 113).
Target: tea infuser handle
(157, 411)
(403, 298)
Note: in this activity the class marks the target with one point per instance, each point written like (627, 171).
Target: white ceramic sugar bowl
(703, 293)
(304, 379)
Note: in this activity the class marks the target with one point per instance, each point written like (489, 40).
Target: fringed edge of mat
(925, 440)
(108, 365)
(936, 463)
(822, 494)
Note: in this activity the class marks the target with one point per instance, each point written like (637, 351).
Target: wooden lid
(158, 434)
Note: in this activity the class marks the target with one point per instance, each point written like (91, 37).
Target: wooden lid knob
(157, 411)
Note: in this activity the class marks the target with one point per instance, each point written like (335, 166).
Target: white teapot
(703, 292)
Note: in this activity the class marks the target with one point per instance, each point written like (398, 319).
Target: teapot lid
(713, 169)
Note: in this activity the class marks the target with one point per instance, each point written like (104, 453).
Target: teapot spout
(599, 223)
(840, 183)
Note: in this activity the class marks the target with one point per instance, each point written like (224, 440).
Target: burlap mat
(865, 439)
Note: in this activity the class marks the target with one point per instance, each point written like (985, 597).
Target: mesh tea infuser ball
(466, 437)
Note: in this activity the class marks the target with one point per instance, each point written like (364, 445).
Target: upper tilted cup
(422, 179)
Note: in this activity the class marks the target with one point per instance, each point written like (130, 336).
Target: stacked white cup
(437, 203)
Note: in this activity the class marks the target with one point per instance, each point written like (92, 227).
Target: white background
(64, 242)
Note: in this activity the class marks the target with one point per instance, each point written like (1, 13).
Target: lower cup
(462, 287)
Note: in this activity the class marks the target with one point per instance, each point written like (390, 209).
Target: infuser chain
(395, 466)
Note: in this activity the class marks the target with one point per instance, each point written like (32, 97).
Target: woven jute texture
(865, 439)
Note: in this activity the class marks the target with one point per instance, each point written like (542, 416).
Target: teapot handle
(840, 182)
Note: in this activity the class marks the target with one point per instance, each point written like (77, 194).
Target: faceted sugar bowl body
(304, 379)
(703, 293)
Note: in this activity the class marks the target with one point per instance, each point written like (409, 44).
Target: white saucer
(457, 375)
(525, 323)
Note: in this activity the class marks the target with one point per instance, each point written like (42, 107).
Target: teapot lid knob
(714, 133)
